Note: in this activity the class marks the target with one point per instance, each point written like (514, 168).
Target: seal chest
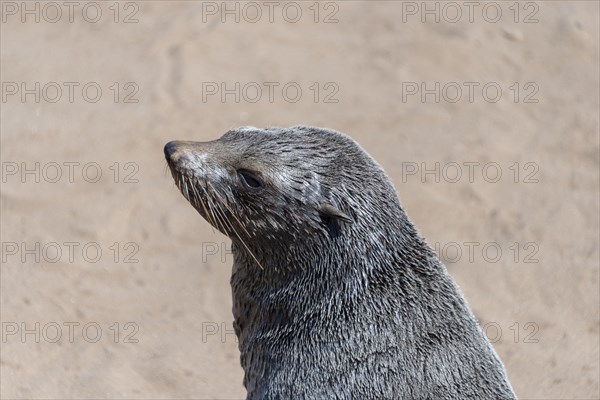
(335, 295)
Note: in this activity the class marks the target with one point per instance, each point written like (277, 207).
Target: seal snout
(171, 150)
(188, 158)
(177, 151)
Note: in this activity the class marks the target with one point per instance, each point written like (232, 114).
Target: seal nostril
(170, 149)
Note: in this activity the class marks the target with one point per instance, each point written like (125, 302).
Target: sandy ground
(159, 291)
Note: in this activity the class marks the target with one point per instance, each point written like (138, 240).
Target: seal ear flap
(333, 212)
(333, 218)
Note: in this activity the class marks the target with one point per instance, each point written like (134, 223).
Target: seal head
(267, 188)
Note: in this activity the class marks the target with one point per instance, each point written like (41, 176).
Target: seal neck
(345, 265)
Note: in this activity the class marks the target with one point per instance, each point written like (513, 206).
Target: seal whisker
(224, 203)
(220, 212)
(213, 220)
(219, 215)
(213, 206)
(187, 192)
(199, 201)
(218, 219)
(238, 235)
(180, 184)
(229, 222)
(222, 217)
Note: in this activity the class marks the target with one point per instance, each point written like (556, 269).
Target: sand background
(543, 315)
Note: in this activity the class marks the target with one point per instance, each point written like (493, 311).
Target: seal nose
(177, 150)
(170, 149)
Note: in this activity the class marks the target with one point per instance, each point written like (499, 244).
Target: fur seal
(335, 294)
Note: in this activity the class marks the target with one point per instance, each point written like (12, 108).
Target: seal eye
(249, 179)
